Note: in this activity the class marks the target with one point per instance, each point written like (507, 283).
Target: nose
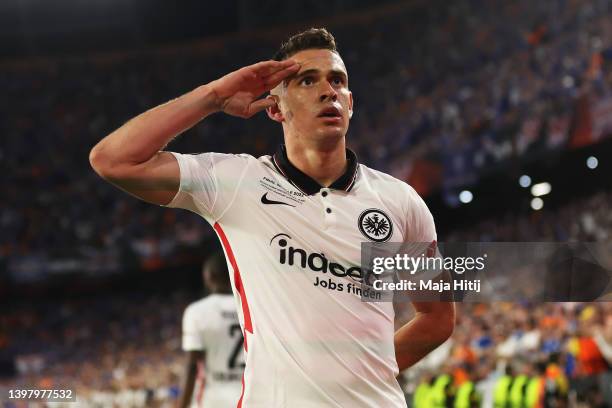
(328, 93)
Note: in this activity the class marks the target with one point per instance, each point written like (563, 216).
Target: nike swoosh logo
(266, 200)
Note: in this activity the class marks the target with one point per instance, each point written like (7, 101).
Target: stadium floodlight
(592, 162)
(568, 81)
(537, 203)
(524, 181)
(540, 189)
(466, 196)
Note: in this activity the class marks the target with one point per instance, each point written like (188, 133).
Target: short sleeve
(192, 336)
(420, 225)
(209, 182)
(421, 237)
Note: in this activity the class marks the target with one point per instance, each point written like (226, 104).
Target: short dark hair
(313, 38)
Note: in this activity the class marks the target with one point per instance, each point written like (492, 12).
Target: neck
(324, 163)
(220, 290)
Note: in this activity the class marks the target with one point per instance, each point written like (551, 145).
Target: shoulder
(223, 160)
(396, 189)
(199, 306)
(213, 157)
(378, 177)
(266, 160)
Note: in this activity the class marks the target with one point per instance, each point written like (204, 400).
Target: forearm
(426, 331)
(185, 399)
(142, 137)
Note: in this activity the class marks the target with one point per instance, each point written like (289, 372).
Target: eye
(307, 80)
(338, 80)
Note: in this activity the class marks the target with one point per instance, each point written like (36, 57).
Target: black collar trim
(307, 184)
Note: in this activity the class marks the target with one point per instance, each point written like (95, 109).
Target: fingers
(266, 68)
(261, 104)
(276, 78)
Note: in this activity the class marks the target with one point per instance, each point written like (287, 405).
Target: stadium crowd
(521, 355)
(464, 87)
(112, 351)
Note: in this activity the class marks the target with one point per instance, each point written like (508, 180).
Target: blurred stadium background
(471, 102)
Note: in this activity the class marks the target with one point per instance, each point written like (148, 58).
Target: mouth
(330, 113)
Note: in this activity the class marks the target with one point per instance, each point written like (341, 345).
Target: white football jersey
(294, 253)
(211, 325)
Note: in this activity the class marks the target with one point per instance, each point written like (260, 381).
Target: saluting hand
(237, 92)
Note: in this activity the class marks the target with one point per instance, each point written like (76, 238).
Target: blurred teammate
(291, 225)
(213, 339)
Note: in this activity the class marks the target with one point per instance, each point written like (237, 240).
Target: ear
(350, 105)
(274, 111)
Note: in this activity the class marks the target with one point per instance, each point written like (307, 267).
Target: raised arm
(132, 157)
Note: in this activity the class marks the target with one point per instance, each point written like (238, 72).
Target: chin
(331, 134)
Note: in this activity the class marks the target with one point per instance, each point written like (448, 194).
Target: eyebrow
(314, 71)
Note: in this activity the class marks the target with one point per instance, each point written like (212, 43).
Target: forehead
(323, 60)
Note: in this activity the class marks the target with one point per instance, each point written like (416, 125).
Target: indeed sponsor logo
(316, 262)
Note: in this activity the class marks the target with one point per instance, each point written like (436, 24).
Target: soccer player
(291, 225)
(213, 339)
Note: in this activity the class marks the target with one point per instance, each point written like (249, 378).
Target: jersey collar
(307, 184)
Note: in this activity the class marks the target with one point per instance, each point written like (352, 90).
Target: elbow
(438, 320)
(100, 162)
(446, 331)
(96, 160)
(442, 321)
